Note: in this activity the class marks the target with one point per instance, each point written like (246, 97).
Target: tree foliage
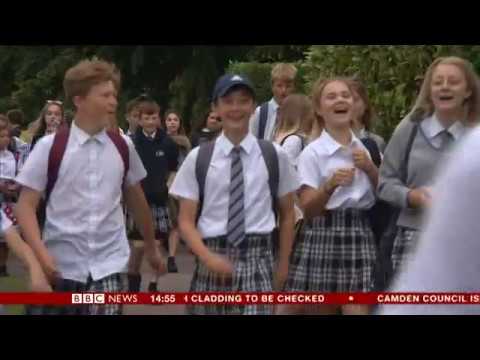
(182, 77)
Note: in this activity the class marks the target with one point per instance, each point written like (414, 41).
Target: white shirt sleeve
(137, 171)
(309, 169)
(293, 148)
(253, 125)
(34, 172)
(288, 181)
(447, 258)
(185, 184)
(6, 223)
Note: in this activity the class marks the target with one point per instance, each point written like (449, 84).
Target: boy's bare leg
(173, 240)
(152, 286)
(3, 259)
(134, 265)
(355, 309)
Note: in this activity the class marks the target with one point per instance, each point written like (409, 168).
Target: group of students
(280, 199)
(162, 145)
(332, 169)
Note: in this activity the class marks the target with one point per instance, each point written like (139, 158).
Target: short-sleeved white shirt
(84, 229)
(259, 217)
(319, 161)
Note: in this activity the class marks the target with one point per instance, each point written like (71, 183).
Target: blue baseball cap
(228, 81)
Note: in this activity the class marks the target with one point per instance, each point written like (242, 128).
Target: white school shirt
(319, 161)
(293, 147)
(5, 224)
(19, 142)
(7, 165)
(259, 217)
(85, 230)
(433, 128)
(23, 152)
(151, 137)
(271, 120)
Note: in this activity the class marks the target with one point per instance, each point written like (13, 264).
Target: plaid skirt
(253, 261)
(403, 246)
(333, 253)
(112, 283)
(161, 224)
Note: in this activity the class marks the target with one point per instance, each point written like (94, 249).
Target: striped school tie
(236, 209)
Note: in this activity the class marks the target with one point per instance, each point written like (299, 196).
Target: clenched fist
(361, 160)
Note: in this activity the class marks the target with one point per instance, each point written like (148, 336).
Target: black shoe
(171, 266)
(152, 287)
(134, 281)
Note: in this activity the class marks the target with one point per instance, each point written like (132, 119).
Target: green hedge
(259, 74)
(390, 72)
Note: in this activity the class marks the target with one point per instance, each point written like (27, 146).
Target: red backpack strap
(122, 148)
(55, 157)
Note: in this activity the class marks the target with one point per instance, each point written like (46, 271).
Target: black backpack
(270, 157)
(380, 214)
(383, 217)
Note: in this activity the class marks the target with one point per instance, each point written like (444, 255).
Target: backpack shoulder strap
(270, 157)
(122, 148)
(404, 165)
(204, 157)
(55, 157)
(263, 120)
(373, 149)
(302, 139)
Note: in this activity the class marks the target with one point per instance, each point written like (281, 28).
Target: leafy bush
(259, 75)
(391, 73)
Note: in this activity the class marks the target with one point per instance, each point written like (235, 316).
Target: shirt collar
(152, 136)
(274, 104)
(82, 137)
(457, 129)
(226, 145)
(332, 146)
(432, 127)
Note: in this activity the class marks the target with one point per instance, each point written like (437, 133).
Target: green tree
(30, 75)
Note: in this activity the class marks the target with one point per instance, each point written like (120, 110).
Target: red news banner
(236, 298)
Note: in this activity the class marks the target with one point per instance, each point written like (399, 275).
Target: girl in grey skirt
(335, 251)
(447, 106)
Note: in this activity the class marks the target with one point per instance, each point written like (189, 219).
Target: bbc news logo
(88, 298)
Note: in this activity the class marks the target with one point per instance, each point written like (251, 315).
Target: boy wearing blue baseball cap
(230, 191)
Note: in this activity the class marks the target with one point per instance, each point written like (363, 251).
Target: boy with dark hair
(17, 121)
(159, 155)
(234, 187)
